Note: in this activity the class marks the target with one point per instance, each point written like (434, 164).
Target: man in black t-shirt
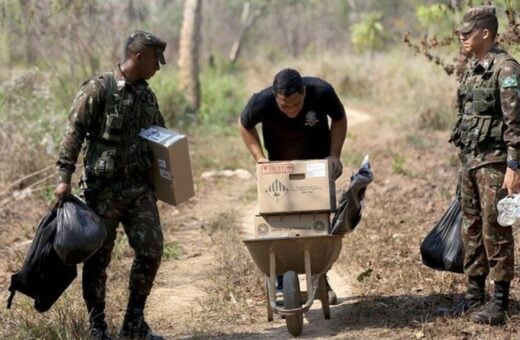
(294, 113)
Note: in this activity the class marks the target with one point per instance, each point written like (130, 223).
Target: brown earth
(384, 291)
(180, 287)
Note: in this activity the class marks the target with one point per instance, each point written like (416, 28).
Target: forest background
(232, 48)
(397, 60)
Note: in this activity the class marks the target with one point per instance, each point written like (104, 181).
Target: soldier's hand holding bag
(80, 232)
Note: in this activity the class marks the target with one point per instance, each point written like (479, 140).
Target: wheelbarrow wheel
(291, 298)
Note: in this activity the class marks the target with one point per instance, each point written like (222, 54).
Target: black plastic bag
(43, 276)
(442, 248)
(80, 232)
(348, 214)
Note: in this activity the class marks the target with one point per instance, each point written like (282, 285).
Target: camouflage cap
(147, 39)
(476, 15)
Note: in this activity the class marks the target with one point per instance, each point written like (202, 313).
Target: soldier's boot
(474, 297)
(98, 325)
(333, 298)
(100, 332)
(135, 328)
(494, 312)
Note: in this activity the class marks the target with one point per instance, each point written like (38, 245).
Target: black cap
(287, 82)
(147, 39)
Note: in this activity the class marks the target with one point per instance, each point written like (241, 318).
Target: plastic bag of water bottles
(508, 210)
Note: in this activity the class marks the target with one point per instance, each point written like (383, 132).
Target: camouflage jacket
(109, 113)
(488, 128)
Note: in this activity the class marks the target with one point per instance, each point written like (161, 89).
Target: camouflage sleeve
(158, 119)
(509, 82)
(85, 106)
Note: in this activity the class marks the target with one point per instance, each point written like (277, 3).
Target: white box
(171, 171)
(295, 186)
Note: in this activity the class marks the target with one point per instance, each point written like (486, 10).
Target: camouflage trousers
(140, 219)
(488, 247)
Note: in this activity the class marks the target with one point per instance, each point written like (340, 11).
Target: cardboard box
(304, 224)
(295, 186)
(172, 178)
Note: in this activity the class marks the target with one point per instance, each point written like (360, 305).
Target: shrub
(172, 102)
(31, 123)
(223, 98)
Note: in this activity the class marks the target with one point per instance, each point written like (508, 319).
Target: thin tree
(247, 20)
(189, 53)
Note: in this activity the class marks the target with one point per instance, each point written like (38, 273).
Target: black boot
(135, 328)
(494, 313)
(474, 298)
(100, 332)
(98, 325)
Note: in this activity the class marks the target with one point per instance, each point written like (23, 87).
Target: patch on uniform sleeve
(509, 82)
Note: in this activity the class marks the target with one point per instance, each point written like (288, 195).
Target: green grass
(399, 165)
(222, 99)
(172, 251)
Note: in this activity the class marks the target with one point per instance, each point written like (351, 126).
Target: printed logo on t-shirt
(276, 190)
(311, 118)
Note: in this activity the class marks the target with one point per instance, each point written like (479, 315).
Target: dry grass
(67, 319)
(218, 152)
(399, 297)
(237, 287)
(421, 92)
(395, 296)
(31, 119)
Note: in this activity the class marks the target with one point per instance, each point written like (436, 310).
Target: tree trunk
(247, 21)
(189, 53)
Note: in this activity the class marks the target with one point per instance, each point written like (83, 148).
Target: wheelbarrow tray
(293, 255)
(290, 252)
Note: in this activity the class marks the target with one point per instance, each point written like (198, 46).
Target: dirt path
(181, 285)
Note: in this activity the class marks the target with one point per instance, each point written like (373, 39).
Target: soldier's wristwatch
(513, 164)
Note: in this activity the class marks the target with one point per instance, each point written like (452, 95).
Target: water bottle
(508, 210)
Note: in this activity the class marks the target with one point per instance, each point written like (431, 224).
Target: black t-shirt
(307, 136)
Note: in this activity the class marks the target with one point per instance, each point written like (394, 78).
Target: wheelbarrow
(290, 256)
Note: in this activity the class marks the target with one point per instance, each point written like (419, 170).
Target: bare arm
(338, 132)
(252, 142)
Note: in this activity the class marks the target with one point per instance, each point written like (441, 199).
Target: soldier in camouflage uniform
(108, 112)
(488, 135)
